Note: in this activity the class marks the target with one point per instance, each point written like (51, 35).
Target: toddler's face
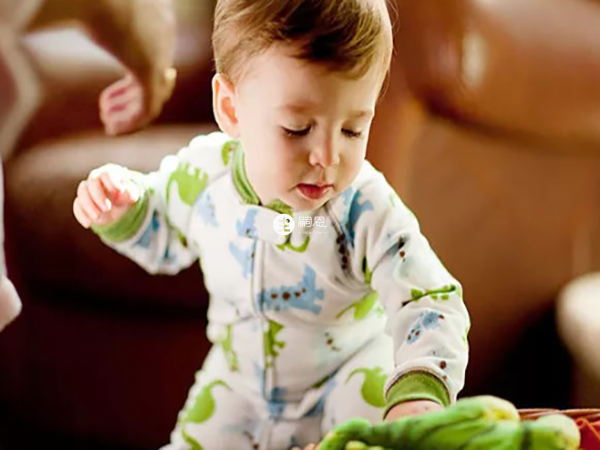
(304, 129)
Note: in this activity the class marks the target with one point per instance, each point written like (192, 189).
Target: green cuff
(417, 385)
(128, 225)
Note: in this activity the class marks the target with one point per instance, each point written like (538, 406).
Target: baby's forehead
(285, 60)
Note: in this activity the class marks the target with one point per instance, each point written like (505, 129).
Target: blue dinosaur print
(168, 256)
(426, 321)
(347, 196)
(244, 257)
(353, 212)
(302, 296)
(145, 239)
(247, 227)
(205, 208)
(259, 372)
(277, 403)
(276, 399)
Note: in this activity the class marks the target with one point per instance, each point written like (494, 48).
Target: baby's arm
(138, 33)
(126, 209)
(426, 314)
(149, 217)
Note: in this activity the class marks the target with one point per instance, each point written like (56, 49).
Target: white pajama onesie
(346, 316)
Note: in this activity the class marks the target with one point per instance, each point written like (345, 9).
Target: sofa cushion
(48, 249)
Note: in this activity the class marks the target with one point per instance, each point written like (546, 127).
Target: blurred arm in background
(138, 33)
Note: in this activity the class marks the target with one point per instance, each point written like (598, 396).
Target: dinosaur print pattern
(205, 208)
(245, 257)
(427, 321)
(354, 209)
(373, 385)
(145, 239)
(201, 410)
(272, 345)
(303, 296)
(190, 182)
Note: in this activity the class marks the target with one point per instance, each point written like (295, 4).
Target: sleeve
(427, 317)
(156, 231)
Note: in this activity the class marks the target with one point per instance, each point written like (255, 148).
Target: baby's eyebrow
(362, 113)
(307, 108)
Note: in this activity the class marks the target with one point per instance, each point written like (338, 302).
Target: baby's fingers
(81, 215)
(120, 193)
(87, 204)
(98, 195)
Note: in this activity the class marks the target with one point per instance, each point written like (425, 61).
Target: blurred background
(489, 130)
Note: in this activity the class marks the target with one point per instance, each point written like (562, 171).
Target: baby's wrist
(126, 226)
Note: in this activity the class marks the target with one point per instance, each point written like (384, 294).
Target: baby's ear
(224, 105)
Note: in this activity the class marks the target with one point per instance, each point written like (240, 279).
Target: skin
(126, 29)
(312, 125)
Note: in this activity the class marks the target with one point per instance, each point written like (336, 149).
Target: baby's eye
(352, 134)
(296, 133)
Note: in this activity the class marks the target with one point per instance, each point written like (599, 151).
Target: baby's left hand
(414, 408)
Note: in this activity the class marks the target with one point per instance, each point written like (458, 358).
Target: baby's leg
(216, 416)
(357, 389)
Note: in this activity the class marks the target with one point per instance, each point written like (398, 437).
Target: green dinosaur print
(272, 344)
(442, 293)
(288, 245)
(202, 409)
(194, 445)
(373, 385)
(362, 307)
(230, 354)
(191, 181)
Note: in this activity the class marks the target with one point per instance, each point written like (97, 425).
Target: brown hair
(346, 36)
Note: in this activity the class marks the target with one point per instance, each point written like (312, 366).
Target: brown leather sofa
(489, 129)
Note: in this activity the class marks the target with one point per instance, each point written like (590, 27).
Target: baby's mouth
(314, 191)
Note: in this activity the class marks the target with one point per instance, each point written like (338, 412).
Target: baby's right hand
(104, 197)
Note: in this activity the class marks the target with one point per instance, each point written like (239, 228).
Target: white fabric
(254, 279)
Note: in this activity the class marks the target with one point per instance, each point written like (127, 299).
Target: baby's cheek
(348, 171)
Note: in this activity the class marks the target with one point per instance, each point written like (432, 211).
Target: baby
(326, 302)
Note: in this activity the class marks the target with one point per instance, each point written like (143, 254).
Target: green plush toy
(478, 423)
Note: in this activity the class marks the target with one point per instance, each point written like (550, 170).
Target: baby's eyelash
(296, 133)
(352, 134)
(303, 132)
